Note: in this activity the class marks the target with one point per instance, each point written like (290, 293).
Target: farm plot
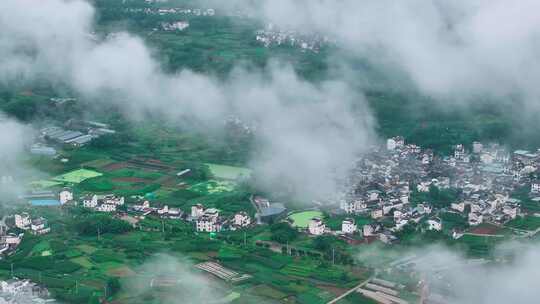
(212, 186)
(77, 176)
(228, 172)
(98, 163)
(301, 219)
(530, 223)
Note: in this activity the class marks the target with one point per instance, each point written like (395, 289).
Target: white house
(242, 219)
(355, 206)
(458, 206)
(371, 229)
(23, 221)
(65, 196)
(90, 201)
(12, 239)
(434, 224)
(400, 224)
(475, 218)
(395, 142)
(387, 237)
(172, 213)
(106, 208)
(377, 213)
(423, 209)
(208, 224)
(209, 221)
(423, 186)
(348, 226)
(39, 226)
(197, 211)
(535, 186)
(511, 210)
(316, 226)
(477, 147)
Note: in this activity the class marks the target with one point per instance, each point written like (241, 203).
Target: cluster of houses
(15, 291)
(9, 242)
(209, 220)
(103, 203)
(383, 181)
(204, 219)
(196, 12)
(271, 36)
(37, 226)
(77, 134)
(175, 26)
(165, 212)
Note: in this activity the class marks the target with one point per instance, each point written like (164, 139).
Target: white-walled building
(511, 210)
(90, 201)
(475, 218)
(65, 196)
(377, 213)
(458, 206)
(395, 142)
(348, 226)
(209, 221)
(477, 147)
(40, 226)
(316, 226)
(242, 219)
(12, 239)
(23, 221)
(172, 213)
(535, 186)
(371, 229)
(103, 203)
(197, 211)
(106, 208)
(435, 224)
(355, 206)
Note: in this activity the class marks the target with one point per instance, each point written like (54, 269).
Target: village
(392, 186)
(272, 36)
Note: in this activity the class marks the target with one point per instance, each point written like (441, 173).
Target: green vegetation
(530, 223)
(439, 198)
(228, 172)
(283, 233)
(77, 176)
(94, 224)
(301, 219)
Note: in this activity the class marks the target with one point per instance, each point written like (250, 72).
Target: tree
(113, 286)
(283, 233)
(101, 223)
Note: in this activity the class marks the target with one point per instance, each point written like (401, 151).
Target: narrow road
(350, 291)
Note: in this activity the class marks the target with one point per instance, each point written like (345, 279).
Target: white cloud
(307, 130)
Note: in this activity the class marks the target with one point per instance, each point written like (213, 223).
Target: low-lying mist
(307, 131)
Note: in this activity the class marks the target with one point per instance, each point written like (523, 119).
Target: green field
(77, 176)
(228, 172)
(301, 219)
(45, 184)
(212, 186)
(530, 223)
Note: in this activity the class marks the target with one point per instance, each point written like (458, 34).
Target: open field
(77, 176)
(228, 172)
(485, 229)
(213, 186)
(98, 163)
(45, 184)
(301, 219)
(530, 223)
(83, 261)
